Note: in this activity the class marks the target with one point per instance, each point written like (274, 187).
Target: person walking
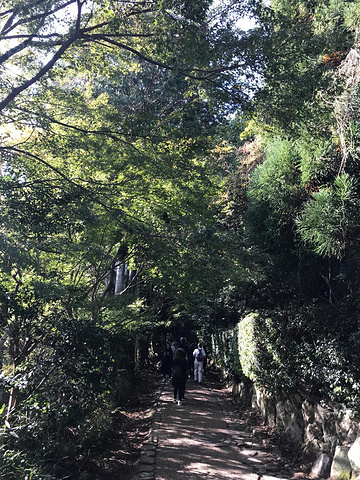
(180, 375)
(191, 359)
(199, 357)
(167, 361)
(184, 346)
(205, 362)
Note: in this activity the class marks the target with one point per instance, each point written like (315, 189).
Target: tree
(172, 35)
(105, 154)
(299, 215)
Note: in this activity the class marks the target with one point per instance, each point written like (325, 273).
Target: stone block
(146, 476)
(331, 444)
(149, 453)
(289, 418)
(147, 460)
(354, 457)
(309, 452)
(308, 413)
(268, 477)
(143, 468)
(346, 426)
(341, 464)
(313, 433)
(322, 466)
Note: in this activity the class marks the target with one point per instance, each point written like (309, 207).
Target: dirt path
(206, 438)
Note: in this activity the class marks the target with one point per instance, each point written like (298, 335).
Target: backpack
(199, 357)
(178, 371)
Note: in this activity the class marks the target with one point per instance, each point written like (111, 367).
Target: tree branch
(9, 26)
(16, 49)
(183, 71)
(16, 91)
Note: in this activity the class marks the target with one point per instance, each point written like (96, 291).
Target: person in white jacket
(199, 356)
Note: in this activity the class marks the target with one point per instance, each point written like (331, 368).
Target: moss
(345, 475)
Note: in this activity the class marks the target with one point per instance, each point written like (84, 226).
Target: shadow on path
(204, 439)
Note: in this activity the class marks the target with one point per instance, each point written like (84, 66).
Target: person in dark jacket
(180, 375)
(205, 361)
(184, 346)
(167, 361)
(191, 359)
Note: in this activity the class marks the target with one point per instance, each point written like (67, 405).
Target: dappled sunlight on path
(206, 437)
(194, 440)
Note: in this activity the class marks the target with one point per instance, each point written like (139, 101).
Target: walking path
(205, 438)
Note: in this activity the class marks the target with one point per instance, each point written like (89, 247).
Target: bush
(225, 352)
(64, 394)
(313, 351)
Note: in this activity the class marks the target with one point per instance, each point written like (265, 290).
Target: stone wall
(311, 427)
(323, 432)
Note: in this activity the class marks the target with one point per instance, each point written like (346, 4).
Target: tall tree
(174, 35)
(106, 138)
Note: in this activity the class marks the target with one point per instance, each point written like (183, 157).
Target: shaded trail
(205, 438)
